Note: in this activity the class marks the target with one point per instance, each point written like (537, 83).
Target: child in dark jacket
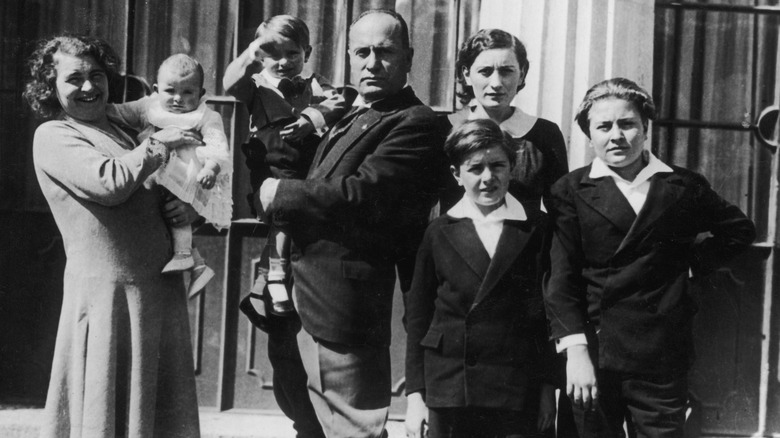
(629, 233)
(479, 359)
(289, 114)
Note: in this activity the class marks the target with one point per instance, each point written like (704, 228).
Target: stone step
(24, 423)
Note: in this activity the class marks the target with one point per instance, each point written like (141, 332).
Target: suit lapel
(603, 196)
(334, 134)
(514, 236)
(665, 190)
(329, 154)
(464, 239)
(358, 128)
(318, 155)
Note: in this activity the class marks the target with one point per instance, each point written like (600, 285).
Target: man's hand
(297, 130)
(546, 418)
(178, 213)
(416, 415)
(580, 377)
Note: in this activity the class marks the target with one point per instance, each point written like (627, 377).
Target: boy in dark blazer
(629, 233)
(478, 353)
(289, 114)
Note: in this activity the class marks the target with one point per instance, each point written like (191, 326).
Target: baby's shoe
(200, 275)
(281, 304)
(181, 261)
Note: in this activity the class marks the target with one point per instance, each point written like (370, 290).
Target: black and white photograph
(389, 218)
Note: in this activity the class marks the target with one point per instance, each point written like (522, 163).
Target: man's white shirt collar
(510, 210)
(359, 102)
(600, 169)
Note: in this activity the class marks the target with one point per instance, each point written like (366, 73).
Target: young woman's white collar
(517, 125)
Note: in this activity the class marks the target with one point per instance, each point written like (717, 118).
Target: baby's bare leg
(278, 261)
(182, 250)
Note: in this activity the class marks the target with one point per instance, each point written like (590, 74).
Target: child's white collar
(511, 209)
(600, 169)
(272, 80)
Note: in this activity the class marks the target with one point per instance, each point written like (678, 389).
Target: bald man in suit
(357, 218)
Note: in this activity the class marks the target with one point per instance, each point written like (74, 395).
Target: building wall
(573, 44)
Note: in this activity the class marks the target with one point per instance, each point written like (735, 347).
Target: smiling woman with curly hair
(123, 361)
(40, 91)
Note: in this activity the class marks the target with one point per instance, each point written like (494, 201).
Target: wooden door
(716, 87)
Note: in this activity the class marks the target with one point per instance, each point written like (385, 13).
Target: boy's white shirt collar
(517, 125)
(162, 118)
(270, 79)
(510, 210)
(600, 169)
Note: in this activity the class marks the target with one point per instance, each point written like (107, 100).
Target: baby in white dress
(198, 175)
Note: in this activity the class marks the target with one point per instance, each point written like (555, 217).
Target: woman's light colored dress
(123, 358)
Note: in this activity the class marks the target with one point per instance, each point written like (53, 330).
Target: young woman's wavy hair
(40, 91)
(487, 39)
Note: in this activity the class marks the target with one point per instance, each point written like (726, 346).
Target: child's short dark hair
(475, 135)
(182, 64)
(292, 28)
(616, 88)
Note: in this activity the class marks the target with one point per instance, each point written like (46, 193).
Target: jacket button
(471, 361)
(295, 257)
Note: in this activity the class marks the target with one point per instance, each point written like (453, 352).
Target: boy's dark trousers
(481, 422)
(651, 406)
(290, 378)
(654, 406)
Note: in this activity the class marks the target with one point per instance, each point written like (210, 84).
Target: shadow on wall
(32, 262)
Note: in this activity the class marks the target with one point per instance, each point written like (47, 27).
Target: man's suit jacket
(477, 333)
(361, 211)
(625, 276)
